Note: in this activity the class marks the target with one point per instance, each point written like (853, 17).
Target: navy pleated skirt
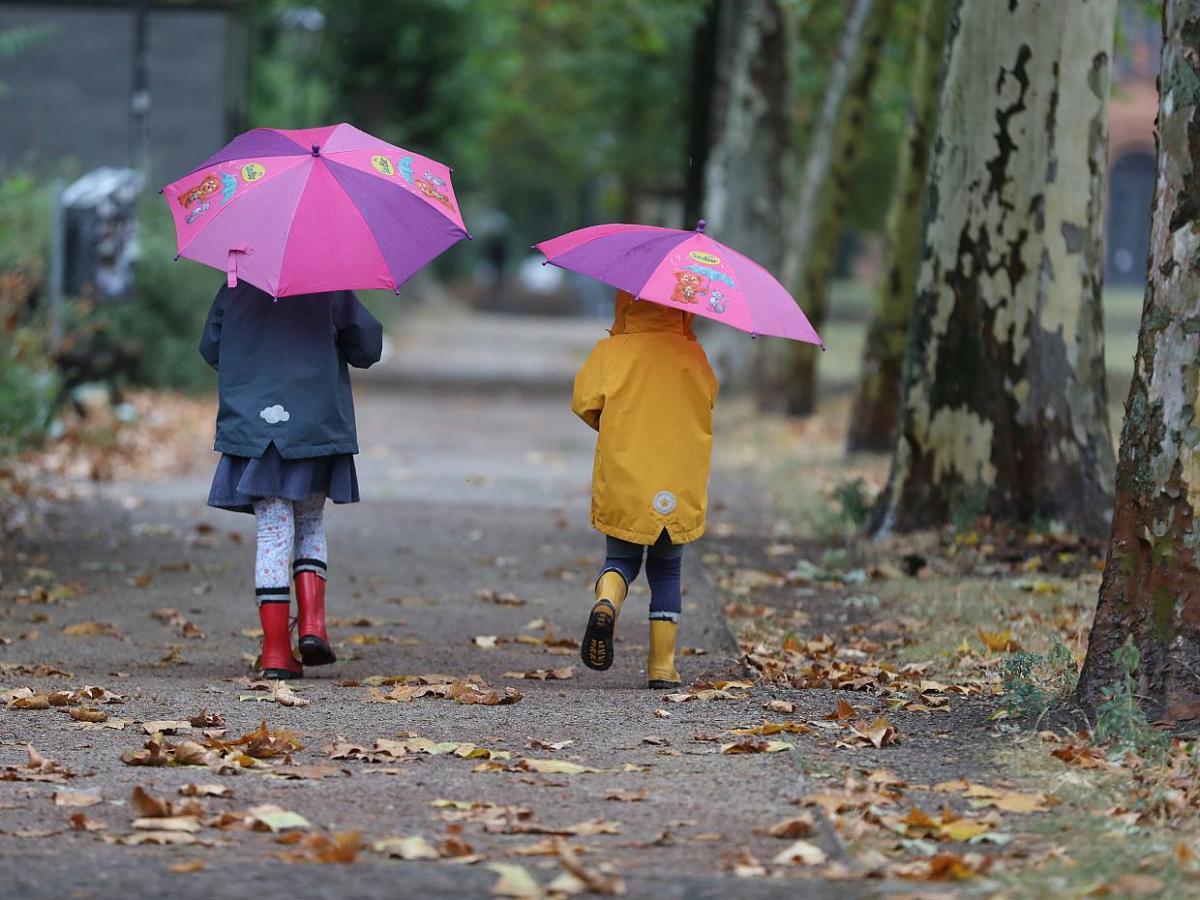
(239, 480)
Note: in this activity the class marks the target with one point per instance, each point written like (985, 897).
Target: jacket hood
(643, 316)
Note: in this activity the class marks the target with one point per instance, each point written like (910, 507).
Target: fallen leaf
(92, 629)
(751, 744)
(187, 867)
(340, 848)
(514, 881)
(999, 641)
(80, 822)
(801, 826)
(166, 726)
(602, 881)
(627, 796)
(205, 790)
(415, 847)
(843, 712)
(800, 853)
(552, 746)
(485, 641)
(87, 714)
(76, 798)
(269, 817)
(544, 674)
(168, 823)
(780, 706)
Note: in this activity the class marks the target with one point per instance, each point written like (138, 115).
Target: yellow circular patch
(253, 172)
(383, 165)
(707, 258)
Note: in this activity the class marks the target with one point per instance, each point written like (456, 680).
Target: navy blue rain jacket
(281, 365)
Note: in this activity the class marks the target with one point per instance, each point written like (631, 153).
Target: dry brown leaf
(801, 826)
(206, 719)
(205, 790)
(187, 867)
(87, 714)
(603, 881)
(843, 712)
(340, 848)
(627, 796)
(80, 822)
(92, 629)
(1081, 755)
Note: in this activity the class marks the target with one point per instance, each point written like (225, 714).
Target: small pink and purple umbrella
(686, 270)
(315, 209)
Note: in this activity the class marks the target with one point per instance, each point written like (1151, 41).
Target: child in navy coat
(285, 429)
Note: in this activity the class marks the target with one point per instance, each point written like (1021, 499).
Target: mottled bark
(1151, 584)
(1003, 407)
(747, 175)
(875, 414)
(820, 209)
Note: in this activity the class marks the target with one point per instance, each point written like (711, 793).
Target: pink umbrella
(687, 270)
(316, 209)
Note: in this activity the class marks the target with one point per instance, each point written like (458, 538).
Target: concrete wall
(69, 96)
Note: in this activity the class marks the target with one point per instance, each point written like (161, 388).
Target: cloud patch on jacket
(273, 415)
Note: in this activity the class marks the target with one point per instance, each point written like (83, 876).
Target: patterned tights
(283, 527)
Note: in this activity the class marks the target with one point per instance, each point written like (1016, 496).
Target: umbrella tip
(160, 190)
(700, 226)
(177, 255)
(316, 150)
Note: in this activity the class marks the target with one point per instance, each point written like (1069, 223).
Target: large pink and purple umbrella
(686, 270)
(315, 209)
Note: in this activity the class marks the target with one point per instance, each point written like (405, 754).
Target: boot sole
(597, 647)
(659, 685)
(281, 674)
(315, 652)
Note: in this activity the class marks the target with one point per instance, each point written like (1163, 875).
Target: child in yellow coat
(649, 391)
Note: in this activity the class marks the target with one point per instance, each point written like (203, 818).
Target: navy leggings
(664, 562)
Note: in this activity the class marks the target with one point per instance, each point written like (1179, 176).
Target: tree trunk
(1003, 407)
(1151, 585)
(748, 167)
(812, 247)
(700, 126)
(875, 415)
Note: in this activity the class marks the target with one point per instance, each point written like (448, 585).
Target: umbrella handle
(231, 262)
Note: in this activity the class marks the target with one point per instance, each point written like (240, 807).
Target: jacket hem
(641, 537)
(255, 451)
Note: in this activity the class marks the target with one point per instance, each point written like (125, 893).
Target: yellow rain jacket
(649, 391)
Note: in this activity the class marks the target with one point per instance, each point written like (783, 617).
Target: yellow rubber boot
(661, 668)
(596, 649)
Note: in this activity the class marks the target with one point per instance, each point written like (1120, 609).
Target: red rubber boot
(315, 649)
(277, 659)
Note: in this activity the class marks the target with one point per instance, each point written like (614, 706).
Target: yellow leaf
(999, 641)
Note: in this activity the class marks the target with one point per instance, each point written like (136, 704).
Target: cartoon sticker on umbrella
(689, 286)
(229, 183)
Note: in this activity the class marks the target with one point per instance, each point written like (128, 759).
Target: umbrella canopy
(686, 270)
(315, 209)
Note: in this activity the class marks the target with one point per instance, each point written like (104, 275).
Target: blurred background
(555, 114)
